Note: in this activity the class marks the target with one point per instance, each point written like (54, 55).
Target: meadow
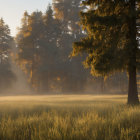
(68, 117)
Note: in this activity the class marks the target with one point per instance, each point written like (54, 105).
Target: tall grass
(68, 118)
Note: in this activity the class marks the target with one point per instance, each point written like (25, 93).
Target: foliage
(6, 74)
(111, 43)
(44, 43)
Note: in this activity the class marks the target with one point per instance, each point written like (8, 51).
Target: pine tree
(7, 77)
(50, 57)
(5, 40)
(111, 43)
(67, 11)
(28, 40)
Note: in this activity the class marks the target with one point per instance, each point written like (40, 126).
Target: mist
(40, 58)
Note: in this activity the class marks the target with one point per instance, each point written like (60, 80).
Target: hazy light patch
(63, 98)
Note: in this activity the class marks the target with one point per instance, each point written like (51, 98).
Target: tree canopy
(44, 43)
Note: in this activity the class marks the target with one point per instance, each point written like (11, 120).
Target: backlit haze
(12, 10)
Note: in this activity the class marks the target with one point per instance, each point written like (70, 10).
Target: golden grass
(68, 117)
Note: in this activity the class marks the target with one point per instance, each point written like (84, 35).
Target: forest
(44, 48)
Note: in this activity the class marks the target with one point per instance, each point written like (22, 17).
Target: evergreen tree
(28, 40)
(5, 40)
(111, 42)
(6, 74)
(68, 14)
(50, 56)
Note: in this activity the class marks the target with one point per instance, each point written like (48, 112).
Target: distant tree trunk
(102, 85)
(132, 90)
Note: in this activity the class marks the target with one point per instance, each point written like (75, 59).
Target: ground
(68, 117)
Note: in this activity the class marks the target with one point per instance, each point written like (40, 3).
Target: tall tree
(49, 50)
(67, 11)
(111, 42)
(5, 40)
(28, 43)
(6, 74)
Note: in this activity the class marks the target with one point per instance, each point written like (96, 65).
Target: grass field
(68, 117)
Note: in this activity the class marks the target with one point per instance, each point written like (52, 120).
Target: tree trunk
(102, 85)
(133, 46)
(132, 89)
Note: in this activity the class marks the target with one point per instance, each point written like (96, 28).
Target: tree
(29, 44)
(6, 75)
(111, 43)
(67, 11)
(5, 40)
(50, 57)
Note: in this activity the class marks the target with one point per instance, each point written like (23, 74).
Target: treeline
(45, 40)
